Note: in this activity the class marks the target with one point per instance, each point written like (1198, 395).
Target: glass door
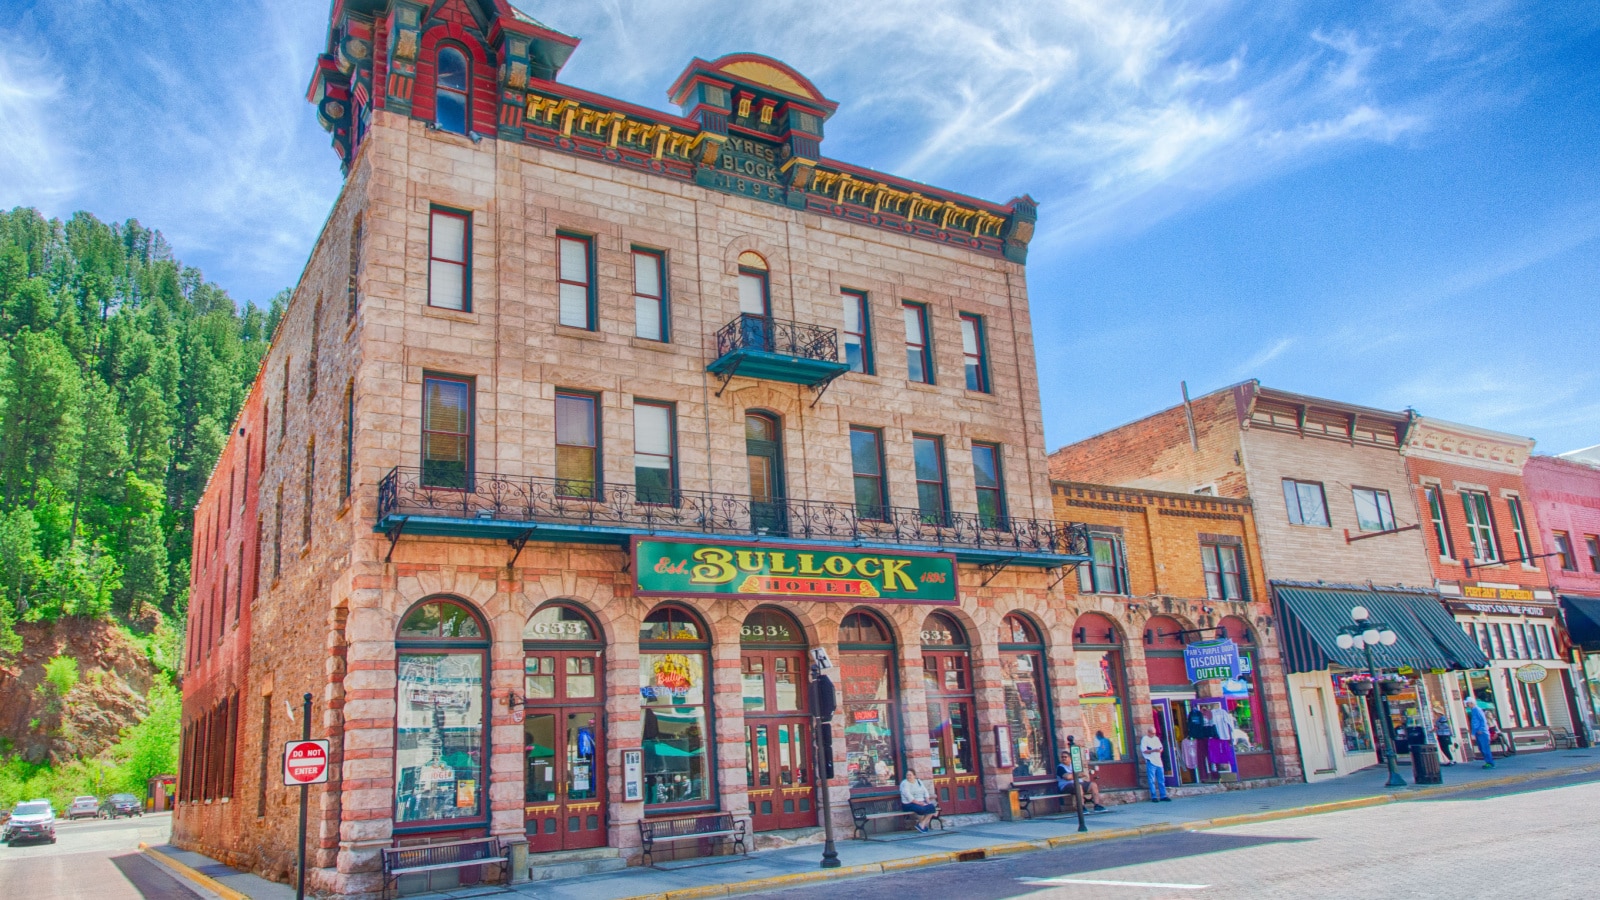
(764, 451)
(778, 749)
(951, 748)
(564, 747)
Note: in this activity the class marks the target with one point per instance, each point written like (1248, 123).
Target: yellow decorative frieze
(846, 188)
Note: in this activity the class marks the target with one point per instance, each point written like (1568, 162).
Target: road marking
(1104, 883)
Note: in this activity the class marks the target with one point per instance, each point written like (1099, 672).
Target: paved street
(1533, 840)
(92, 860)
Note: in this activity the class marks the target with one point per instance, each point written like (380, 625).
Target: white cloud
(34, 164)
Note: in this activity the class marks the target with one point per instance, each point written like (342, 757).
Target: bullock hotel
(586, 422)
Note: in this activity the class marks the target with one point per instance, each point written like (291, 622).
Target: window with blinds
(446, 431)
(577, 445)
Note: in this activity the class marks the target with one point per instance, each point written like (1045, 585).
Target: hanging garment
(1199, 726)
(1222, 722)
(1191, 753)
(1220, 754)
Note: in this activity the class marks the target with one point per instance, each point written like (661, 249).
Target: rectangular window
(316, 349)
(283, 415)
(650, 316)
(439, 765)
(919, 359)
(1593, 542)
(575, 275)
(1374, 512)
(1106, 572)
(1441, 525)
(449, 269)
(577, 446)
(857, 333)
(310, 492)
(277, 537)
(866, 462)
(974, 352)
(1480, 526)
(266, 749)
(1519, 530)
(347, 458)
(352, 299)
(932, 497)
(446, 432)
(1496, 642)
(655, 478)
(1569, 560)
(1306, 501)
(988, 478)
(754, 297)
(1224, 568)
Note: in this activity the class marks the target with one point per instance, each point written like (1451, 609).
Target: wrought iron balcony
(777, 350)
(521, 508)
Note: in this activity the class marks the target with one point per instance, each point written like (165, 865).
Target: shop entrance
(562, 730)
(778, 773)
(952, 745)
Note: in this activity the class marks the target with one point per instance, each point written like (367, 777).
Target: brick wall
(1566, 497)
(1156, 453)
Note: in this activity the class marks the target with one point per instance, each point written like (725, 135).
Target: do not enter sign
(305, 762)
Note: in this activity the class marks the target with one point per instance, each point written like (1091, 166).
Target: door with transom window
(952, 731)
(763, 442)
(563, 731)
(778, 748)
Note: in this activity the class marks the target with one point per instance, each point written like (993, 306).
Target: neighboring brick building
(1332, 504)
(1564, 492)
(1169, 570)
(1468, 484)
(579, 409)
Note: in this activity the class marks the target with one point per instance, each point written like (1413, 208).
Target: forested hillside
(121, 370)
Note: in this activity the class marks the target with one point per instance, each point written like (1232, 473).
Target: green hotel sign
(785, 572)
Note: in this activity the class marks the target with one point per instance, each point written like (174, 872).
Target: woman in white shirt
(915, 798)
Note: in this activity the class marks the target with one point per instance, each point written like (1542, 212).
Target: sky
(1394, 204)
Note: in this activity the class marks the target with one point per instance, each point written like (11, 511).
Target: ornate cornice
(1450, 442)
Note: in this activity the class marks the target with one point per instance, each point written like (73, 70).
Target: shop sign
(780, 572)
(1501, 609)
(632, 775)
(864, 715)
(1488, 593)
(1532, 673)
(1205, 660)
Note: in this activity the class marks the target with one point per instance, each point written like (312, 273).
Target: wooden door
(952, 732)
(778, 748)
(564, 747)
(764, 454)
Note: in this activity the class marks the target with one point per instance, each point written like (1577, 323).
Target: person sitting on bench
(914, 798)
(1090, 779)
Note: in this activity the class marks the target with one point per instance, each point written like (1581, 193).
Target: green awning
(662, 748)
(1313, 615)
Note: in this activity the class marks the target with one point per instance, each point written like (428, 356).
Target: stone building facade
(1338, 527)
(585, 427)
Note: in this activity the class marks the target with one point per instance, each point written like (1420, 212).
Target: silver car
(31, 821)
(85, 807)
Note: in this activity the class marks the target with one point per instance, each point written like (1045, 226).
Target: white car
(84, 807)
(31, 821)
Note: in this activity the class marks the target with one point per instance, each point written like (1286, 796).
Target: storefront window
(672, 692)
(1022, 677)
(439, 741)
(867, 695)
(1098, 654)
(1353, 724)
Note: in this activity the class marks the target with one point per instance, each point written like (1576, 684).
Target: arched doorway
(869, 696)
(763, 445)
(772, 663)
(1244, 701)
(952, 731)
(563, 730)
(442, 654)
(1172, 696)
(1023, 677)
(1102, 697)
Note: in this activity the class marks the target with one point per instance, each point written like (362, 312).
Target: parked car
(31, 821)
(84, 807)
(121, 805)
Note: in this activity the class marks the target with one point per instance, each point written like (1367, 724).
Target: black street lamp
(1365, 632)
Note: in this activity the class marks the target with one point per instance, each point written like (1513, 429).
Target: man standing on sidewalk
(1478, 724)
(1150, 748)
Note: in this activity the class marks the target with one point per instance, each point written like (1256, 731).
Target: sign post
(1074, 766)
(305, 762)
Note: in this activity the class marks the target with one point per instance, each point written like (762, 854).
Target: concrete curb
(798, 879)
(178, 868)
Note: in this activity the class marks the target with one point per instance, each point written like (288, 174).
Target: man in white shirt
(1155, 769)
(915, 798)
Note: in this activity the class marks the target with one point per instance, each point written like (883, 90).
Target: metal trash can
(1425, 764)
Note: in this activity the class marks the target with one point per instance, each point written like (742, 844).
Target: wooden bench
(420, 859)
(720, 827)
(1531, 739)
(866, 810)
(1563, 739)
(1031, 792)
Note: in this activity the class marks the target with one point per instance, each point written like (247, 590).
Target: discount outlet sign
(305, 762)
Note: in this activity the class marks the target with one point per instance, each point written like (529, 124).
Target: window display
(867, 694)
(439, 744)
(1353, 724)
(672, 692)
(1100, 696)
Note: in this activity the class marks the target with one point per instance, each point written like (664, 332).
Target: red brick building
(1565, 495)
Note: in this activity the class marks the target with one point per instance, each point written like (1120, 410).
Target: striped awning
(1583, 619)
(1313, 616)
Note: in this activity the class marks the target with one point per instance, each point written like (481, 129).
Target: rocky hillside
(114, 674)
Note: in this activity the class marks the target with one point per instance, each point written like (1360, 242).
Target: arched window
(952, 730)
(441, 655)
(674, 662)
(869, 695)
(1022, 677)
(1097, 649)
(1242, 696)
(1163, 656)
(450, 91)
(754, 296)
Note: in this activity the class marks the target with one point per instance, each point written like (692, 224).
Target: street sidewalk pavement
(794, 866)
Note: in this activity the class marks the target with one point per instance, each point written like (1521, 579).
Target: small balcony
(519, 508)
(777, 350)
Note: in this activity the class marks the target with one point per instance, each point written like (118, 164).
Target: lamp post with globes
(1362, 635)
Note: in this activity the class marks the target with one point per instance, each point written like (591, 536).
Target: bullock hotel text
(587, 423)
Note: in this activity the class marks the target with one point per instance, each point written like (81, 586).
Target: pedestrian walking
(1478, 724)
(1443, 733)
(1150, 748)
(914, 798)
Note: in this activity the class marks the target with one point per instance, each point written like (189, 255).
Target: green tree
(38, 416)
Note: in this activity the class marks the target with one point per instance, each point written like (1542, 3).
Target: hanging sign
(1205, 660)
(305, 762)
(1532, 673)
(786, 572)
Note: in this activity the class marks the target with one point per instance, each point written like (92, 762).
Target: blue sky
(1389, 203)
